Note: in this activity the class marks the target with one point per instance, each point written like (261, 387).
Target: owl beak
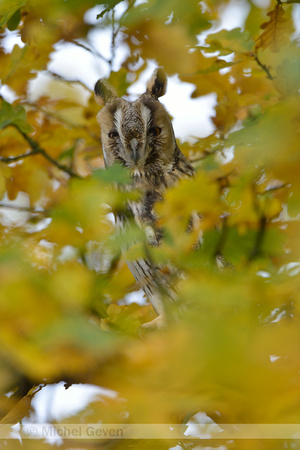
(134, 149)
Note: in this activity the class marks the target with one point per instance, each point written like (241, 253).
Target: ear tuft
(157, 85)
(104, 93)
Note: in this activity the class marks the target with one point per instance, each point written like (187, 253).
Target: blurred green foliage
(234, 351)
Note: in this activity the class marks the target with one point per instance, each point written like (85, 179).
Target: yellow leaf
(167, 45)
(4, 175)
(19, 411)
(208, 82)
(271, 207)
(198, 194)
(276, 31)
(71, 285)
(241, 203)
(29, 177)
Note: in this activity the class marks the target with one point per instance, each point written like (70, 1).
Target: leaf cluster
(67, 309)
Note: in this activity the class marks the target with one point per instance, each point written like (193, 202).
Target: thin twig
(263, 66)
(116, 30)
(37, 150)
(89, 49)
(11, 159)
(113, 39)
(222, 239)
(65, 80)
(60, 119)
(259, 239)
(205, 154)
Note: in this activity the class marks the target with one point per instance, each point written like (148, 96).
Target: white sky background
(191, 117)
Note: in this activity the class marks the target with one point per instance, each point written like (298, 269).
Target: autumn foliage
(231, 347)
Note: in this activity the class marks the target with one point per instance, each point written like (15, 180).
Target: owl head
(138, 134)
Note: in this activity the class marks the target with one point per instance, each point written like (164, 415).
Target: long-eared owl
(140, 136)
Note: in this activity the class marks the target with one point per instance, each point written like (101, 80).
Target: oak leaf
(276, 31)
(15, 116)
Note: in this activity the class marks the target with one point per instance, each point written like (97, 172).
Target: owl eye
(154, 131)
(113, 134)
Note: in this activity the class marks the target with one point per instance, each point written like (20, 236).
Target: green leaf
(114, 174)
(15, 116)
(67, 154)
(8, 9)
(77, 331)
(227, 42)
(270, 139)
(288, 74)
(14, 21)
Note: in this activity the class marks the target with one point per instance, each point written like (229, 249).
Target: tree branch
(259, 239)
(37, 150)
(56, 116)
(89, 49)
(11, 159)
(263, 66)
(222, 239)
(116, 30)
(113, 38)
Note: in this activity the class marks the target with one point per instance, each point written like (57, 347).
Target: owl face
(138, 134)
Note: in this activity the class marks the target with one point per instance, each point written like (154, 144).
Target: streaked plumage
(140, 136)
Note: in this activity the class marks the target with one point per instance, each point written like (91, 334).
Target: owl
(140, 136)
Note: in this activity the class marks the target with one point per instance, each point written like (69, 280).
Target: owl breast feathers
(140, 136)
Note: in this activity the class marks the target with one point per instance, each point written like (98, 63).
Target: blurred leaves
(227, 42)
(69, 304)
